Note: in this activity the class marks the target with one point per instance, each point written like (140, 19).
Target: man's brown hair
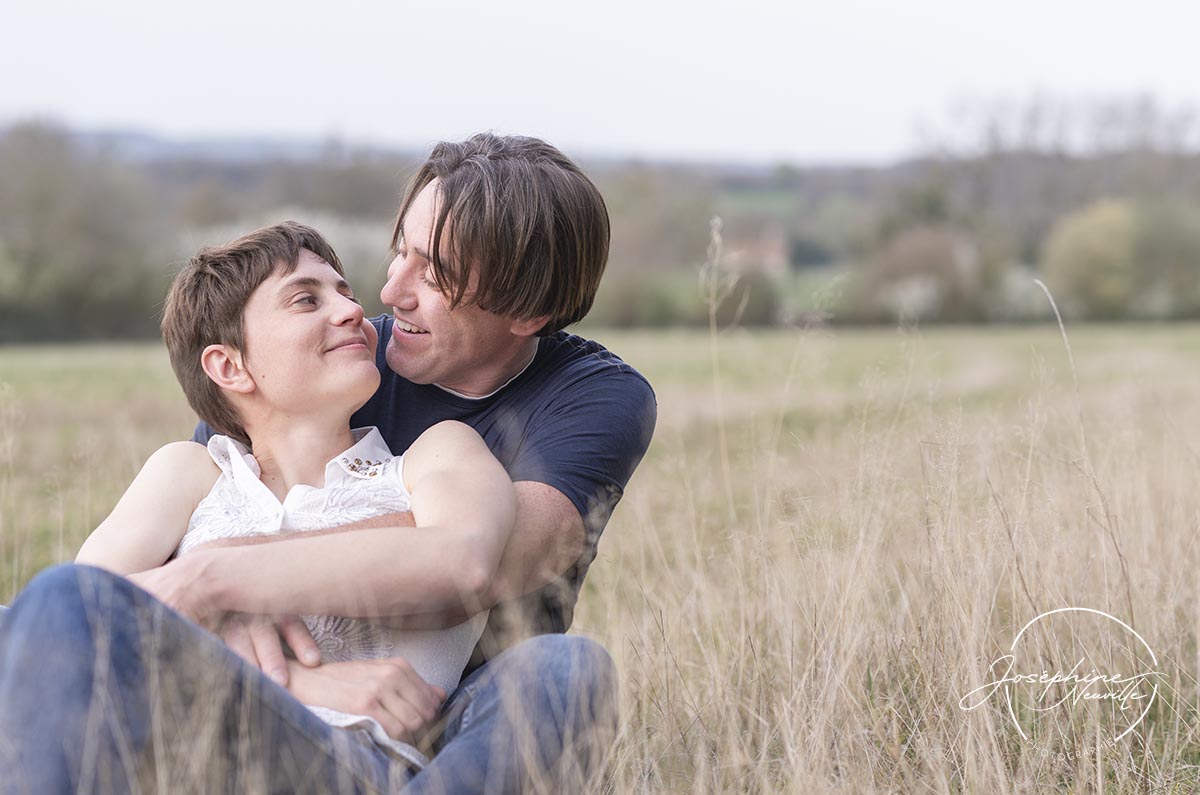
(524, 218)
(207, 301)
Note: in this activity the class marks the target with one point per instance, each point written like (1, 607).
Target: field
(832, 536)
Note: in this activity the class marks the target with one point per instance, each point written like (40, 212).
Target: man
(500, 243)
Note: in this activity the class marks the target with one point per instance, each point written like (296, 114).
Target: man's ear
(530, 327)
(225, 366)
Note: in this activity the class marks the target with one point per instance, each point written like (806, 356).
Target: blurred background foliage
(1100, 200)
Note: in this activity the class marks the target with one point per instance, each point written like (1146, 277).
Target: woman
(272, 350)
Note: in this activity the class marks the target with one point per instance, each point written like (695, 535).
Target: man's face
(308, 347)
(431, 343)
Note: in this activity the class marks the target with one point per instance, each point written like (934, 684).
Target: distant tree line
(1100, 200)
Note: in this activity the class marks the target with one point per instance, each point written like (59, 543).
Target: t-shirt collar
(497, 389)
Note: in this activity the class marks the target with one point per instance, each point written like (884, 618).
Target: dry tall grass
(901, 503)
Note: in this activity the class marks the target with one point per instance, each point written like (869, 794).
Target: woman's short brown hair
(524, 217)
(206, 305)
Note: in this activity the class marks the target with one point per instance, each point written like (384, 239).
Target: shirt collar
(366, 458)
(233, 457)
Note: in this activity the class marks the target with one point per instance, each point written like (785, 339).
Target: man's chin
(403, 366)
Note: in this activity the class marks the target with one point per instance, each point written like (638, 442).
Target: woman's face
(308, 347)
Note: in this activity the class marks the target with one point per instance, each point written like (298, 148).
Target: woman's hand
(259, 641)
(387, 689)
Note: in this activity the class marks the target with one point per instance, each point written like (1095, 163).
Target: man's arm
(576, 460)
(462, 500)
(547, 538)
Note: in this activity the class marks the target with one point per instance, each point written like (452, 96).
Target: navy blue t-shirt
(578, 419)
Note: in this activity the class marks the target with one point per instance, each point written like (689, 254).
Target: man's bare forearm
(401, 519)
(364, 572)
(426, 620)
(546, 540)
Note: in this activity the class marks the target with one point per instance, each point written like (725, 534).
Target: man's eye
(306, 299)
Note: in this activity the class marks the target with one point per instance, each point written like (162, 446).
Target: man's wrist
(211, 586)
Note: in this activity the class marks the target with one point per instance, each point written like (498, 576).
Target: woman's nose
(349, 311)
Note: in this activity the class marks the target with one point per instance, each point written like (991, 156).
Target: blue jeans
(104, 689)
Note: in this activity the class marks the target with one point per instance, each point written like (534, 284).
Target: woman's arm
(463, 503)
(152, 516)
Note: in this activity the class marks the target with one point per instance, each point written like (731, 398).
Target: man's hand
(257, 639)
(387, 689)
(178, 585)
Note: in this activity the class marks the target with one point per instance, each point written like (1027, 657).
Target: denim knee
(577, 669)
(59, 587)
(65, 599)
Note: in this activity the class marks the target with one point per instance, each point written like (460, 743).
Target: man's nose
(398, 291)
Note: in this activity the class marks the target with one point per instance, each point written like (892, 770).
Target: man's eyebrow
(419, 251)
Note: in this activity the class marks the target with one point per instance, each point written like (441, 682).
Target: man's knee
(575, 672)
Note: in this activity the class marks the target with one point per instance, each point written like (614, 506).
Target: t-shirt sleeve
(588, 443)
(203, 432)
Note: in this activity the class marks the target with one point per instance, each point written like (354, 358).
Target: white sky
(841, 80)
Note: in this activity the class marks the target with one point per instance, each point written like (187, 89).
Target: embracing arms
(463, 503)
(571, 468)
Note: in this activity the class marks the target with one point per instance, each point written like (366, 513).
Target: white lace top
(363, 482)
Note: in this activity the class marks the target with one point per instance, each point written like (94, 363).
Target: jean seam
(317, 742)
(472, 691)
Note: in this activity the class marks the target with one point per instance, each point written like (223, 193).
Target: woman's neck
(294, 451)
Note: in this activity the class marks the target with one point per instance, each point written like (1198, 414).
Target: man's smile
(408, 328)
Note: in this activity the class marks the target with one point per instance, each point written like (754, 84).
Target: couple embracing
(361, 579)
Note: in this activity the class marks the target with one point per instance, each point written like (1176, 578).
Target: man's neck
(500, 375)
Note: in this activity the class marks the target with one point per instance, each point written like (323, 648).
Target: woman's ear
(225, 366)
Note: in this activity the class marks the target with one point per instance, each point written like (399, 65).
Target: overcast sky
(792, 81)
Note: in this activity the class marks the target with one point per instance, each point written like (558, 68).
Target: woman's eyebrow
(309, 281)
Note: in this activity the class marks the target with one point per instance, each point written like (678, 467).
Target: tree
(82, 237)
(923, 272)
(1167, 252)
(1090, 260)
